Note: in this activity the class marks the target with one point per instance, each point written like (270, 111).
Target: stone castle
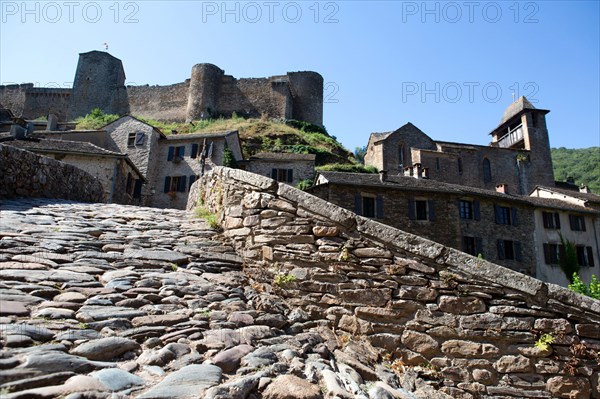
(100, 83)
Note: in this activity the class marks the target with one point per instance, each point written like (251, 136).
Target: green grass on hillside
(583, 164)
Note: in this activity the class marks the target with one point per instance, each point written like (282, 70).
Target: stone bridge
(472, 323)
(110, 301)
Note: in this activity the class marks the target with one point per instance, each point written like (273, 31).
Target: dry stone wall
(473, 322)
(25, 174)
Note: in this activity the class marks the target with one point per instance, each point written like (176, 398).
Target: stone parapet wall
(421, 303)
(25, 174)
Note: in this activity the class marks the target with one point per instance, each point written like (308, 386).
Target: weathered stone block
(569, 387)
(372, 296)
(418, 293)
(232, 223)
(481, 321)
(553, 325)
(513, 364)
(484, 376)
(468, 349)
(372, 253)
(461, 305)
(588, 330)
(325, 231)
(420, 343)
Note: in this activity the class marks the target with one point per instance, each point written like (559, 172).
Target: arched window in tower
(487, 171)
(401, 156)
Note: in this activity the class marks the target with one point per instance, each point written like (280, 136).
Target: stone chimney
(502, 188)
(584, 189)
(383, 175)
(52, 123)
(408, 171)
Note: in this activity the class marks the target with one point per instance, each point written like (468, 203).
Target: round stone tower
(307, 96)
(203, 97)
(99, 83)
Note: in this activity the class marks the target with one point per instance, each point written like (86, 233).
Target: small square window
(466, 209)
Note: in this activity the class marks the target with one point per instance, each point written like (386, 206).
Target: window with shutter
(357, 203)
(379, 207)
(194, 153)
(182, 184)
(411, 209)
(167, 187)
(139, 138)
(431, 210)
(171, 153)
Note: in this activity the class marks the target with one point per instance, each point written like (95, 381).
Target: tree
(359, 154)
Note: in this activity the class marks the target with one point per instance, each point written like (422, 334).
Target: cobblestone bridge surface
(110, 301)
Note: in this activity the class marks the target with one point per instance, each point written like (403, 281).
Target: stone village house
(120, 178)
(498, 201)
(283, 167)
(510, 230)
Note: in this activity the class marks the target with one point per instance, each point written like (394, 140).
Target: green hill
(583, 164)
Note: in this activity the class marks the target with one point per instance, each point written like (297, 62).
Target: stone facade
(25, 174)
(284, 167)
(468, 219)
(419, 302)
(519, 154)
(209, 93)
(170, 164)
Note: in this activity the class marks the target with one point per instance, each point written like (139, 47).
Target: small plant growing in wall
(282, 279)
(172, 194)
(344, 255)
(544, 342)
(203, 213)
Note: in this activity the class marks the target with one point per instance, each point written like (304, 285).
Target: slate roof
(407, 183)
(517, 107)
(282, 156)
(591, 197)
(62, 146)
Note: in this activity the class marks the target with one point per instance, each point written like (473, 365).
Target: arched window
(487, 171)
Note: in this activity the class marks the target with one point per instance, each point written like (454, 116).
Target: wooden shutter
(590, 256)
(547, 254)
(518, 251)
(192, 180)
(290, 175)
(582, 223)
(358, 204)
(476, 210)
(167, 184)
(500, 245)
(557, 221)
(497, 213)
(194, 153)
(139, 138)
(431, 210)
(379, 207)
(274, 174)
(514, 218)
(182, 184)
(171, 153)
(412, 213)
(181, 151)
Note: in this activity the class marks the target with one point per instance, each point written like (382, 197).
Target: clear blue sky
(450, 68)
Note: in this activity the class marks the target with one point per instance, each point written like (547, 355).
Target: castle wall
(252, 97)
(25, 174)
(166, 103)
(475, 323)
(40, 102)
